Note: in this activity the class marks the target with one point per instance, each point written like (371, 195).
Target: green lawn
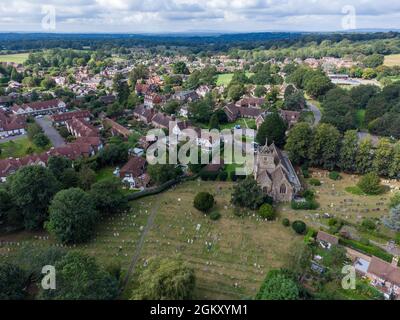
(242, 122)
(225, 79)
(17, 57)
(392, 60)
(360, 116)
(104, 173)
(230, 257)
(18, 148)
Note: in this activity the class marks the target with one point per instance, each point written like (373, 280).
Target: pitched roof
(40, 105)
(134, 166)
(323, 236)
(384, 270)
(82, 127)
(69, 115)
(117, 127)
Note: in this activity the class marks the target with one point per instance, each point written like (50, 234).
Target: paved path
(51, 133)
(139, 246)
(315, 110)
(13, 138)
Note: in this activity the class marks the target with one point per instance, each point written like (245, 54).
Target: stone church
(275, 174)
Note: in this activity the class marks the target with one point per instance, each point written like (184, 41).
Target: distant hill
(194, 41)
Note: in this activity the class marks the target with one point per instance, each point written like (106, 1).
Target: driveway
(50, 132)
(315, 110)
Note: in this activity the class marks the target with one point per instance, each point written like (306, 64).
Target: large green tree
(383, 157)
(161, 173)
(364, 157)
(72, 216)
(272, 130)
(278, 286)
(325, 145)
(165, 279)
(32, 189)
(79, 277)
(108, 196)
(298, 142)
(12, 282)
(247, 193)
(348, 151)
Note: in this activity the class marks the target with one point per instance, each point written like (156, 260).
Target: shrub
(215, 215)
(203, 201)
(205, 175)
(223, 176)
(299, 227)
(306, 173)
(395, 200)
(306, 205)
(368, 224)
(365, 241)
(267, 211)
(335, 176)
(286, 222)
(233, 176)
(309, 195)
(367, 249)
(315, 182)
(370, 184)
(239, 212)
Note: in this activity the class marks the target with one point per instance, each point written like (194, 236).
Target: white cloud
(182, 15)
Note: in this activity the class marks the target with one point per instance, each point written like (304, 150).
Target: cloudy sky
(159, 16)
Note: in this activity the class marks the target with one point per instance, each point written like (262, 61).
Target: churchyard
(335, 201)
(231, 256)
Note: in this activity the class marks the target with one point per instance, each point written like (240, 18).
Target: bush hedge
(367, 249)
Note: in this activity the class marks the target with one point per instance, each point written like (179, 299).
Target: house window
(283, 189)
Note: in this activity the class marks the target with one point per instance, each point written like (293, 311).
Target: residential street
(51, 133)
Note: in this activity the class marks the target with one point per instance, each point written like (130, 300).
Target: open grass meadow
(16, 58)
(225, 78)
(392, 60)
(18, 148)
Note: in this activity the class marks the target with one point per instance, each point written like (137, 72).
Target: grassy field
(230, 256)
(18, 148)
(225, 79)
(335, 200)
(392, 60)
(17, 57)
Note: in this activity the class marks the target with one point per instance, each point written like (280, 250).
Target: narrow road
(315, 110)
(139, 247)
(50, 132)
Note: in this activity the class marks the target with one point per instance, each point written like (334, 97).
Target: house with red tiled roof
(79, 127)
(134, 173)
(11, 125)
(40, 107)
(116, 128)
(82, 147)
(62, 118)
(233, 112)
